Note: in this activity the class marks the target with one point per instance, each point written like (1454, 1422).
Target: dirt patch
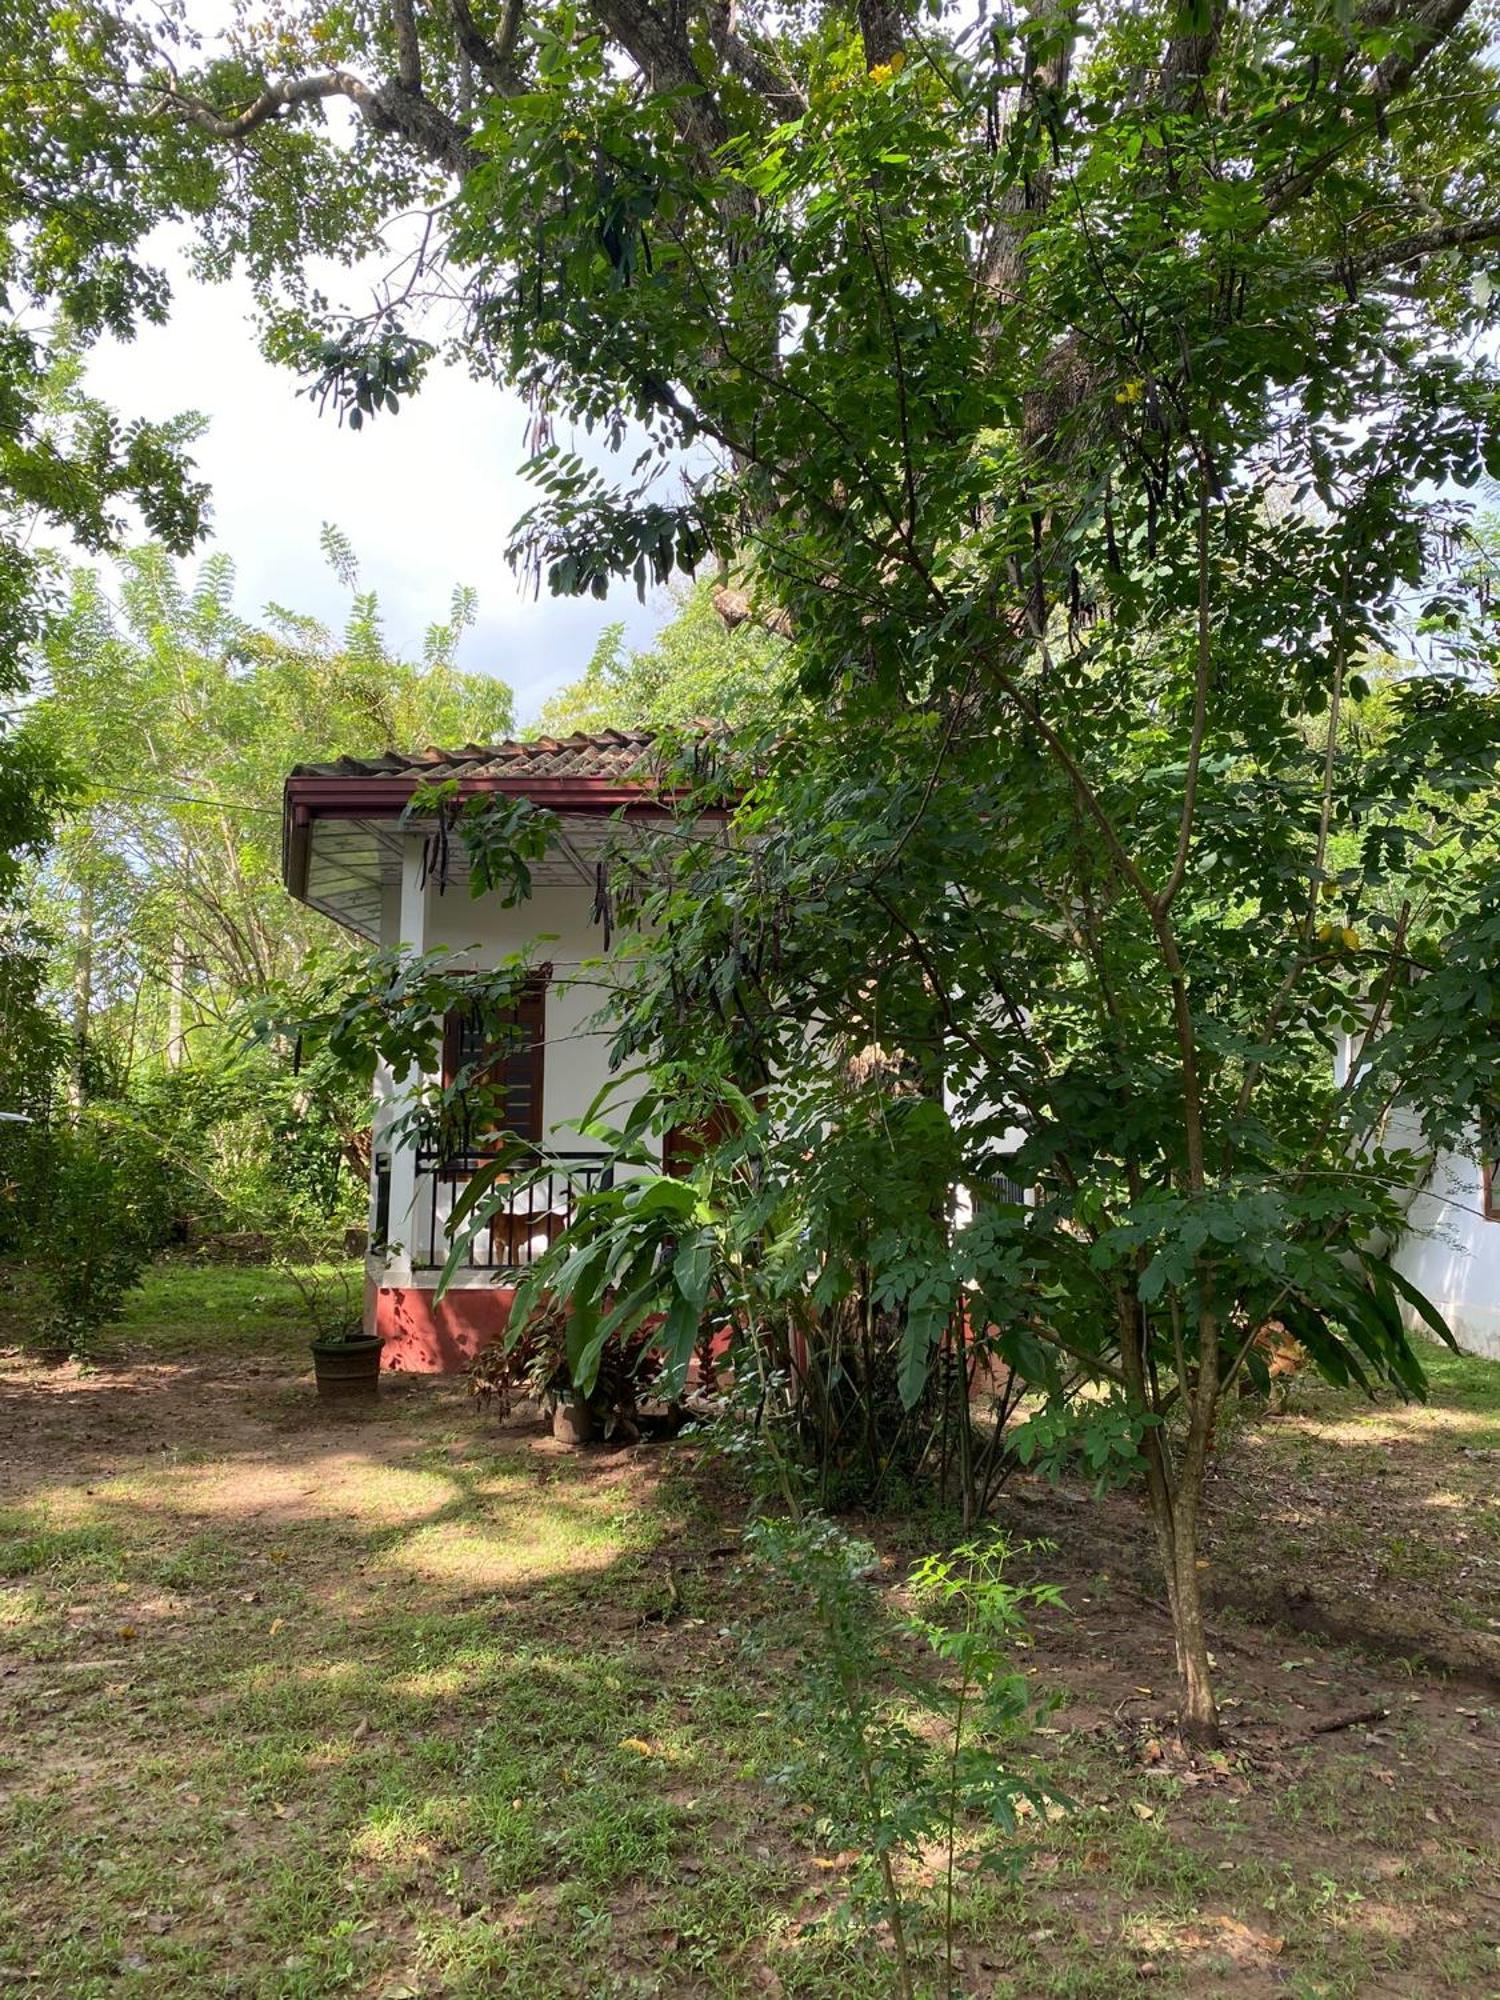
(412, 1702)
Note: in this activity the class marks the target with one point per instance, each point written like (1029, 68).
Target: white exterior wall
(1451, 1253)
(555, 926)
(480, 934)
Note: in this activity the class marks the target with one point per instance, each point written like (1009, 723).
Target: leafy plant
(531, 1359)
(905, 1759)
(98, 1219)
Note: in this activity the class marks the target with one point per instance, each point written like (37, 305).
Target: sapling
(905, 1761)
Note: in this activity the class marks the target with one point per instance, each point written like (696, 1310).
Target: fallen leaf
(1272, 1946)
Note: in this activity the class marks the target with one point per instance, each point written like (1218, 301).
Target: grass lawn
(417, 1704)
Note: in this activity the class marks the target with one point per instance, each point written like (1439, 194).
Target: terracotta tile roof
(621, 754)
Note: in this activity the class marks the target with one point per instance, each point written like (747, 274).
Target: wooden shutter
(505, 1058)
(684, 1146)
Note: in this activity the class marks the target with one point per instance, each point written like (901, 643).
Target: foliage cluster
(1090, 398)
(698, 669)
(905, 1724)
(84, 1203)
(186, 718)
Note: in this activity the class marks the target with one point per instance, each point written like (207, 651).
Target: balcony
(535, 1207)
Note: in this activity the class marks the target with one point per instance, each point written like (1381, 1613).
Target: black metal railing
(534, 1206)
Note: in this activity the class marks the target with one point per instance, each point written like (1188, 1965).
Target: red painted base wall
(426, 1339)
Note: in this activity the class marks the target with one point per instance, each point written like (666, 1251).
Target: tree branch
(272, 102)
(386, 107)
(881, 29)
(665, 58)
(1429, 26)
(408, 48)
(495, 62)
(750, 65)
(1412, 249)
(1202, 666)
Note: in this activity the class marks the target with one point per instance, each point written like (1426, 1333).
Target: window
(501, 1060)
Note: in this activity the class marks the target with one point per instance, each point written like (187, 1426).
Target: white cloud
(427, 497)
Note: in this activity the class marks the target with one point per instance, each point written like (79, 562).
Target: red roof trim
(378, 798)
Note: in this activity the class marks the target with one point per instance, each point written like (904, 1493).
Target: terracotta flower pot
(348, 1370)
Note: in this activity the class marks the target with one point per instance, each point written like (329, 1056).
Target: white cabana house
(351, 851)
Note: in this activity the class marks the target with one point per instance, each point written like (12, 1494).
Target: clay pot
(348, 1370)
(573, 1422)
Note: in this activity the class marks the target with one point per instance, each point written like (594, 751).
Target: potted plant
(532, 1361)
(346, 1359)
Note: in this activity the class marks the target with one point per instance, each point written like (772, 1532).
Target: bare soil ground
(294, 1704)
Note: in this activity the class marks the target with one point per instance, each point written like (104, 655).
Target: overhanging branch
(1405, 250)
(385, 107)
(495, 62)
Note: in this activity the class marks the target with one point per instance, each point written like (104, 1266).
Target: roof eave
(312, 796)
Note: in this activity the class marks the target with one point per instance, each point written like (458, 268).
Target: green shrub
(98, 1215)
(251, 1145)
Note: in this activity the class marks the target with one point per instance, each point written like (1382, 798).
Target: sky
(427, 497)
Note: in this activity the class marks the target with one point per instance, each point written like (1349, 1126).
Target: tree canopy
(697, 669)
(183, 719)
(1092, 399)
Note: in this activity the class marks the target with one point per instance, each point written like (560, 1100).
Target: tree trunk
(176, 975)
(1174, 1493)
(1198, 1714)
(1174, 1511)
(83, 995)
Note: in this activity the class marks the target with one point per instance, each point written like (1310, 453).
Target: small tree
(96, 1220)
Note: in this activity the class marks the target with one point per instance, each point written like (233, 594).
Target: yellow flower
(1130, 392)
(634, 1743)
(881, 73)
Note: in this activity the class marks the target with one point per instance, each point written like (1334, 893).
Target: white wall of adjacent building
(1451, 1252)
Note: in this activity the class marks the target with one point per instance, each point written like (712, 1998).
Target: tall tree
(184, 718)
(697, 669)
(1086, 392)
(72, 212)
